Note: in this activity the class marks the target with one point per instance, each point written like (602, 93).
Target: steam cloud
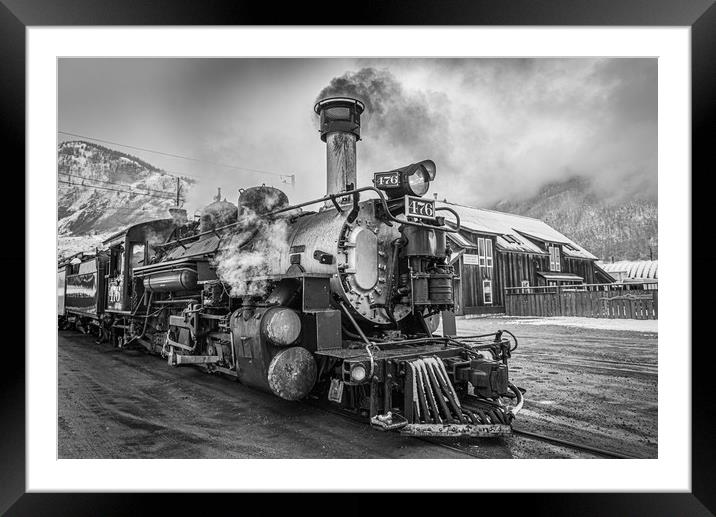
(501, 129)
(255, 249)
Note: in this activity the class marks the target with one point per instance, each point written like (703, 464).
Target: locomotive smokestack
(340, 129)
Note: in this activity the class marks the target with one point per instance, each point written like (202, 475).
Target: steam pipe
(368, 343)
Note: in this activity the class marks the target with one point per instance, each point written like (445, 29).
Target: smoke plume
(399, 125)
(501, 129)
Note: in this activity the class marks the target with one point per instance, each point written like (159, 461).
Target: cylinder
(281, 326)
(183, 280)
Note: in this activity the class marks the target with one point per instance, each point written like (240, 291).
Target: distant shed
(633, 271)
(496, 250)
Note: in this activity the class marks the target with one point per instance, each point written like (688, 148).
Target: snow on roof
(515, 232)
(461, 240)
(633, 269)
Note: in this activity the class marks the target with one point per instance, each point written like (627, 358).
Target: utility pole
(178, 190)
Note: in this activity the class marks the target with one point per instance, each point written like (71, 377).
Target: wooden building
(495, 250)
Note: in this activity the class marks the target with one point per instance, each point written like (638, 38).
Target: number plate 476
(419, 207)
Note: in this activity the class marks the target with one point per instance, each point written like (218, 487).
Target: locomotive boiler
(338, 303)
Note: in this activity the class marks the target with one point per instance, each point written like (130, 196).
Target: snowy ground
(588, 380)
(585, 323)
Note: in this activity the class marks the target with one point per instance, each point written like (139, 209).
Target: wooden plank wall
(592, 304)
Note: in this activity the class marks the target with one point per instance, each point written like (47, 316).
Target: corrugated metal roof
(633, 269)
(512, 227)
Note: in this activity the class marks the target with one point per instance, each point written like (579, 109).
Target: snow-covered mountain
(101, 191)
(624, 228)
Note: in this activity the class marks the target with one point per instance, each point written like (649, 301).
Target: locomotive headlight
(411, 180)
(419, 182)
(358, 373)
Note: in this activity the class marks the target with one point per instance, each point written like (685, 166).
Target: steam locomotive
(340, 303)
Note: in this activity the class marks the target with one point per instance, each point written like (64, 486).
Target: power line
(116, 183)
(190, 158)
(170, 197)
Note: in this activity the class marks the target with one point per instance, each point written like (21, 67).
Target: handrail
(333, 197)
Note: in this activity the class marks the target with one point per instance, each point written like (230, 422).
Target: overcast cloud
(496, 128)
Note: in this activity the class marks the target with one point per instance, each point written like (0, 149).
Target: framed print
(259, 234)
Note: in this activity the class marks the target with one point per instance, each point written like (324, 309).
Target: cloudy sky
(497, 128)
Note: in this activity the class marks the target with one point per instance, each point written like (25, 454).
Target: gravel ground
(589, 386)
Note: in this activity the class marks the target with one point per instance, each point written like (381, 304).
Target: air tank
(168, 281)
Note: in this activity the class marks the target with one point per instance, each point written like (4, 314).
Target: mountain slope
(101, 190)
(624, 229)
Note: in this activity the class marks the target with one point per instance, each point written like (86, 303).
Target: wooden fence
(593, 301)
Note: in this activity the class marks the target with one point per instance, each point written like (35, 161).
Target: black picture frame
(700, 15)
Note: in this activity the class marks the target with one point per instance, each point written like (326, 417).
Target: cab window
(137, 258)
(117, 261)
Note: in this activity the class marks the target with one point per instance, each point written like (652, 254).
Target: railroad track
(577, 446)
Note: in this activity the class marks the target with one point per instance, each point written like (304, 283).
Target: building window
(487, 291)
(554, 259)
(481, 250)
(488, 252)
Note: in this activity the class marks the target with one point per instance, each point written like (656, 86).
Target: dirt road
(590, 386)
